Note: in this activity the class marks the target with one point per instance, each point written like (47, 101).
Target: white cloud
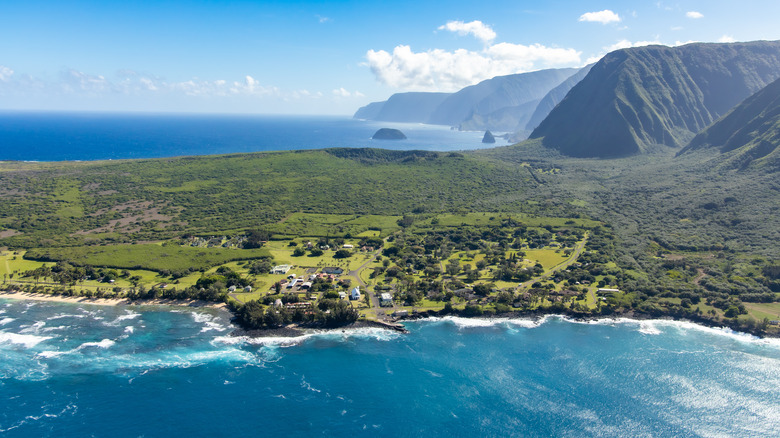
(480, 30)
(694, 15)
(77, 81)
(323, 19)
(441, 70)
(622, 44)
(726, 39)
(5, 73)
(625, 44)
(343, 92)
(603, 17)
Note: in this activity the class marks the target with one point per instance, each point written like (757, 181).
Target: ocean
(43, 136)
(75, 370)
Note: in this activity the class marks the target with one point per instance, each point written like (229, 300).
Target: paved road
(380, 312)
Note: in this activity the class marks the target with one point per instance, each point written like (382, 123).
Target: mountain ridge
(635, 99)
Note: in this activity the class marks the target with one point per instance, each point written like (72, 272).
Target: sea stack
(389, 134)
(488, 138)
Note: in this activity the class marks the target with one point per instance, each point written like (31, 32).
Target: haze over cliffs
(503, 103)
(635, 99)
(751, 129)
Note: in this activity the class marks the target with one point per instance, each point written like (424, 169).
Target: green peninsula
(287, 237)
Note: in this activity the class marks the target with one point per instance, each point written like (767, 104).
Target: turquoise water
(35, 136)
(69, 370)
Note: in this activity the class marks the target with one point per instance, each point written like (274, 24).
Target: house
(232, 289)
(281, 269)
(292, 284)
(306, 285)
(348, 246)
(606, 291)
(278, 303)
(342, 295)
(248, 289)
(355, 294)
(385, 299)
(332, 270)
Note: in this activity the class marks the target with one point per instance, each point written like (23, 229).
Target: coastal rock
(389, 134)
(488, 138)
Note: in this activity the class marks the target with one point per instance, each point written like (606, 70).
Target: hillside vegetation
(635, 99)
(747, 135)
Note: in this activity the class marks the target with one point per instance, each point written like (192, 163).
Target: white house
(385, 299)
(281, 269)
(342, 295)
(347, 246)
(355, 294)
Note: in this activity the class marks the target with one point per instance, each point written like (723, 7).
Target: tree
(342, 254)
(452, 268)
(299, 252)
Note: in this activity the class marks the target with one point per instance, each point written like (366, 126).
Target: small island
(488, 138)
(388, 134)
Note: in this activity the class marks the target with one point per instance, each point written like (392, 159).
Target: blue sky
(322, 57)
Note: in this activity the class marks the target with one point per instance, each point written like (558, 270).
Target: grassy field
(150, 256)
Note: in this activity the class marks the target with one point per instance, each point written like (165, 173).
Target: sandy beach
(16, 295)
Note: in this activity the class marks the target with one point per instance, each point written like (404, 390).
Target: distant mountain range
(750, 132)
(635, 99)
(503, 103)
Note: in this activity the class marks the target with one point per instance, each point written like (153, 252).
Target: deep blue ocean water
(70, 370)
(33, 136)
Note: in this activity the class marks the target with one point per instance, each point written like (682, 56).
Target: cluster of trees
(327, 313)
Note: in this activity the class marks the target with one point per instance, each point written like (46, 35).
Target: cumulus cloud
(622, 44)
(343, 92)
(604, 17)
(694, 15)
(441, 70)
(5, 73)
(625, 44)
(480, 30)
(323, 19)
(726, 39)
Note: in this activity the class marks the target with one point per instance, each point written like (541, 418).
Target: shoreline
(293, 330)
(17, 295)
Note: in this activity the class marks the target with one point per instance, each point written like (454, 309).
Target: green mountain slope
(635, 99)
(499, 104)
(495, 94)
(751, 131)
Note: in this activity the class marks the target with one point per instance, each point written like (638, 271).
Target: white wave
(27, 340)
(372, 333)
(464, 323)
(34, 328)
(5, 321)
(129, 329)
(210, 322)
(105, 343)
(64, 315)
(648, 328)
(48, 354)
(32, 418)
(118, 320)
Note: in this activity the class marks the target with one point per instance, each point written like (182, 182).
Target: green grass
(548, 258)
(760, 311)
(147, 256)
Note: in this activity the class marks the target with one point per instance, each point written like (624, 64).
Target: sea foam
(27, 340)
